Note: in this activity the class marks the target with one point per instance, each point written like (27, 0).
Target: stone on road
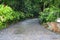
(28, 30)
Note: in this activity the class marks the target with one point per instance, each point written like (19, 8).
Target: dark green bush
(26, 6)
(31, 6)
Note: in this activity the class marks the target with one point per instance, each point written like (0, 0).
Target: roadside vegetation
(12, 11)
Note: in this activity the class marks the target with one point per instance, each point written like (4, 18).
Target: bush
(49, 14)
(8, 16)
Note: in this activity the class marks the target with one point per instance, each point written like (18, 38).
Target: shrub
(49, 14)
(8, 16)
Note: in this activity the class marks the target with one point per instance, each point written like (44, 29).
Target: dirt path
(28, 30)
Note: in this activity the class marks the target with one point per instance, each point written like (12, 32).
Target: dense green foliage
(49, 14)
(7, 16)
(31, 6)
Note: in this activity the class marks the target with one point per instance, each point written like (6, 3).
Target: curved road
(28, 30)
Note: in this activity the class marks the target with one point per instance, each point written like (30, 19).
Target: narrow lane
(28, 30)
